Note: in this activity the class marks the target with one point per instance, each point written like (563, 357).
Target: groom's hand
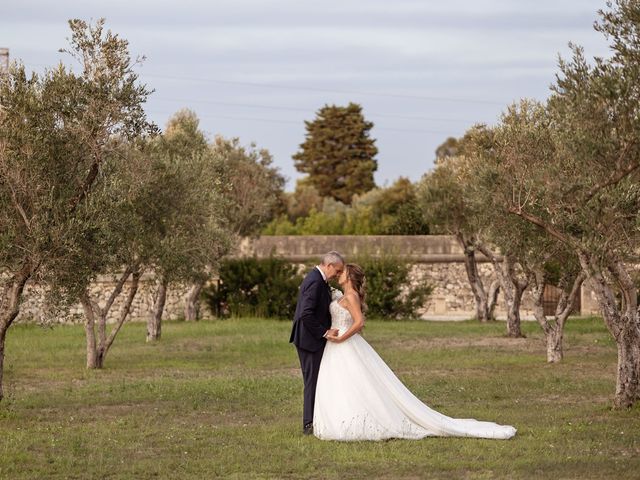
(332, 332)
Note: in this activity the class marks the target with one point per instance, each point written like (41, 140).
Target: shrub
(390, 294)
(381, 211)
(255, 287)
(269, 288)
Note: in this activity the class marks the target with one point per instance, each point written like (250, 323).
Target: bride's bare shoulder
(351, 298)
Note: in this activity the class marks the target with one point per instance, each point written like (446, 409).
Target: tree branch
(20, 209)
(606, 297)
(86, 185)
(118, 288)
(617, 177)
(124, 312)
(546, 227)
(577, 283)
(13, 294)
(539, 283)
(487, 252)
(627, 285)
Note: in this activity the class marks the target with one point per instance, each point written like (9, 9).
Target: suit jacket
(312, 318)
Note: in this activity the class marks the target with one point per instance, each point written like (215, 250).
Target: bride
(358, 397)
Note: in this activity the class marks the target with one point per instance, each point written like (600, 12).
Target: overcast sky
(422, 70)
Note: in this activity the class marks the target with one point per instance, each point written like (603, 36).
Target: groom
(312, 325)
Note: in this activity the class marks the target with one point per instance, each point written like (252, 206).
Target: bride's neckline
(340, 305)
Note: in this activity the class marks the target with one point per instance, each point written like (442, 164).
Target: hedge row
(269, 288)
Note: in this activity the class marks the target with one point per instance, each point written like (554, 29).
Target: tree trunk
(89, 331)
(192, 302)
(538, 284)
(3, 334)
(512, 288)
(9, 309)
(627, 336)
(126, 308)
(100, 354)
(554, 330)
(554, 345)
(623, 322)
(154, 323)
(628, 381)
(97, 351)
(513, 313)
(494, 289)
(484, 303)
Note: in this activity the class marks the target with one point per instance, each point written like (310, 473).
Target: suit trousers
(310, 364)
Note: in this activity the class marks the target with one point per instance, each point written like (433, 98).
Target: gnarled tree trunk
(154, 322)
(623, 322)
(554, 329)
(89, 330)
(97, 351)
(628, 379)
(512, 286)
(192, 301)
(513, 307)
(485, 303)
(3, 335)
(9, 309)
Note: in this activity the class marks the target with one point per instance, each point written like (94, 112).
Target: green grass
(224, 399)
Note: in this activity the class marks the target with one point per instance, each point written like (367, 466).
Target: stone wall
(437, 260)
(33, 309)
(452, 297)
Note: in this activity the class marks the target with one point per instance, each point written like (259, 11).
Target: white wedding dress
(358, 397)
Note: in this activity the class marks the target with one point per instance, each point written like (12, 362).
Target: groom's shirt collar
(324, 277)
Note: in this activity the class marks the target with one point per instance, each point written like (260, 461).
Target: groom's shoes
(308, 429)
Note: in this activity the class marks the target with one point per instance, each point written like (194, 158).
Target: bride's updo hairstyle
(356, 276)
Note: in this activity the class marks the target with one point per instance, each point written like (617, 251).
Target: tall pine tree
(338, 153)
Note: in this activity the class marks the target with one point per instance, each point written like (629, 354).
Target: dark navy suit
(310, 322)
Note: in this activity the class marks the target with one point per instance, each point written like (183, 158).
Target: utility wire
(308, 88)
(213, 102)
(294, 109)
(326, 90)
(291, 122)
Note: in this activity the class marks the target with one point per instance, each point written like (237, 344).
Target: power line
(294, 109)
(311, 89)
(326, 90)
(291, 122)
(409, 117)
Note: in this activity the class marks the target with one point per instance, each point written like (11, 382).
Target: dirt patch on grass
(466, 342)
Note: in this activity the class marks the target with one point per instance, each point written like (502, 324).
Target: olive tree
(56, 135)
(165, 218)
(530, 257)
(441, 197)
(587, 195)
(196, 231)
(498, 230)
(253, 195)
(560, 269)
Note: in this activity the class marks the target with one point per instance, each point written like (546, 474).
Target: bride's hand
(335, 339)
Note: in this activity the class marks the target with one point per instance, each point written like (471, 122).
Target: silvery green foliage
(58, 133)
(571, 169)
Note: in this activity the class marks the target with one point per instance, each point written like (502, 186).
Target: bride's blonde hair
(358, 280)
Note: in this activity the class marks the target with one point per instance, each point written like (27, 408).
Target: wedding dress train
(358, 397)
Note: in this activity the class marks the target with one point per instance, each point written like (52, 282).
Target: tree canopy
(338, 153)
(58, 132)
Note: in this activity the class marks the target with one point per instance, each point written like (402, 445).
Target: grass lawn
(224, 399)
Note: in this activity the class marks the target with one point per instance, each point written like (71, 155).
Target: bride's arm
(352, 304)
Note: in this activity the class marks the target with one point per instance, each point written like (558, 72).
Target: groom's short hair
(332, 257)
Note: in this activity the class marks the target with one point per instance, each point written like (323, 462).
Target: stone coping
(302, 248)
